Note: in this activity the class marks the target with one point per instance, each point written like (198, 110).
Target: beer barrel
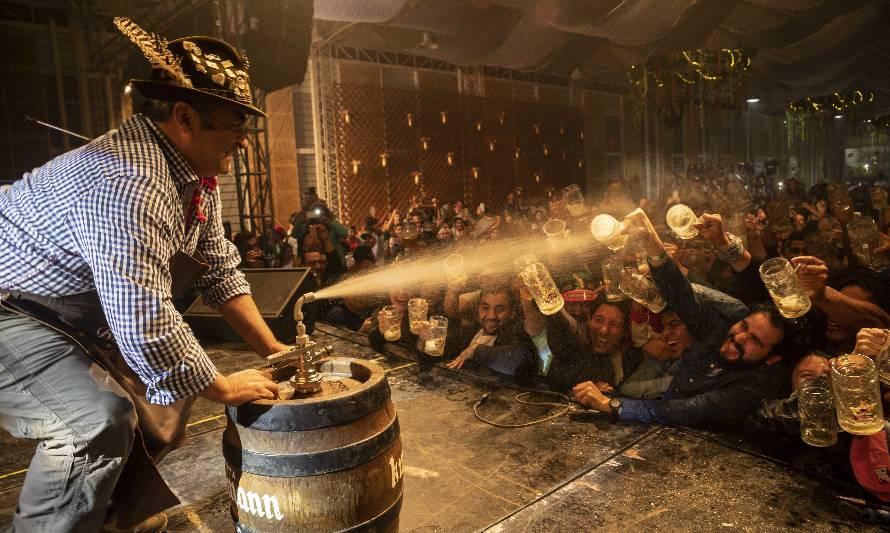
(329, 462)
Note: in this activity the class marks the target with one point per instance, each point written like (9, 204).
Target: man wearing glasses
(135, 221)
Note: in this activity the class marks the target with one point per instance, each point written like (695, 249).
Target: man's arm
(673, 286)
(850, 314)
(727, 404)
(242, 315)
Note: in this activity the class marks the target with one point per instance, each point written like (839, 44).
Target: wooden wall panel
(379, 123)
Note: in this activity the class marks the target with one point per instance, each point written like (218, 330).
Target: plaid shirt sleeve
(224, 281)
(124, 232)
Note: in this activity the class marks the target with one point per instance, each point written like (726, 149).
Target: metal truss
(253, 178)
(350, 53)
(323, 80)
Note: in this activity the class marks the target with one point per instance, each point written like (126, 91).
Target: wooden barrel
(330, 462)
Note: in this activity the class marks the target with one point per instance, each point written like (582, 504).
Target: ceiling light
(753, 100)
(838, 116)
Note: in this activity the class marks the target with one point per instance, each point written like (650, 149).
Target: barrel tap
(299, 362)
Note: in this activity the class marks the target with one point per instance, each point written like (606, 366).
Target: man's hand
(812, 273)
(242, 387)
(712, 230)
(604, 387)
(639, 225)
(588, 394)
(254, 258)
(468, 353)
(871, 341)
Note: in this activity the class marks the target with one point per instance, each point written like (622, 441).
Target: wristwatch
(615, 405)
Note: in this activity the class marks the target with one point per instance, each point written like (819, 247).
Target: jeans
(51, 391)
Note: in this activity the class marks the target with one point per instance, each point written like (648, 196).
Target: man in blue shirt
(123, 208)
(725, 374)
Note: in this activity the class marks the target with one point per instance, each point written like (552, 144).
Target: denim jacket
(705, 388)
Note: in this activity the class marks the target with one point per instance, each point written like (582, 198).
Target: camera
(316, 213)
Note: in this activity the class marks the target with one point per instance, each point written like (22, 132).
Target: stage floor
(566, 474)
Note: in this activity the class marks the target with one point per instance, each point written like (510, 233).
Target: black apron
(140, 491)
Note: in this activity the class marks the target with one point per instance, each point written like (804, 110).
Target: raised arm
(849, 313)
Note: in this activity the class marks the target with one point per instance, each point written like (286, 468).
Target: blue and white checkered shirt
(109, 216)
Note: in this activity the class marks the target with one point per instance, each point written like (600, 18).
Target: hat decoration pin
(154, 47)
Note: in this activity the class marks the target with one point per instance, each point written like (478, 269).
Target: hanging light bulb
(491, 145)
(478, 125)
(582, 135)
(384, 159)
(449, 157)
(425, 143)
(562, 129)
(537, 178)
(580, 163)
(347, 118)
(410, 118)
(475, 171)
(565, 155)
(546, 150)
(416, 177)
(444, 116)
(516, 153)
(537, 128)
(355, 166)
(502, 116)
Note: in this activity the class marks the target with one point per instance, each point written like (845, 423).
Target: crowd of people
(719, 352)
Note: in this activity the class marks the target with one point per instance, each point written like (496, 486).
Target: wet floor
(575, 472)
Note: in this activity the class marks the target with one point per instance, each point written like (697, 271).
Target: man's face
(808, 368)
(833, 331)
(316, 261)
(605, 329)
(675, 334)
(214, 144)
(494, 311)
(750, 340)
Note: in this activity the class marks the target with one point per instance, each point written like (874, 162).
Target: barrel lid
(316, 412)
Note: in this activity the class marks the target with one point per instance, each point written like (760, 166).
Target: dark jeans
(51, 391)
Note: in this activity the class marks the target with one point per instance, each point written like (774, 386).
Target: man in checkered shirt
(108, 217)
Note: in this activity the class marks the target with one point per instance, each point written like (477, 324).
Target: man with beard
(654, 375)
(720, 378)
(497, 341)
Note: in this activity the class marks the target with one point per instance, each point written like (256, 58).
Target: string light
(384, 159)
(475, 172)
(410, 119)
(443, 115)
(449, 158)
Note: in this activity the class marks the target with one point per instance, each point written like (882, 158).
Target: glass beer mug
(540, 284)
(682, 221)
(785, 289)
(607, 230)
(857, 395)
